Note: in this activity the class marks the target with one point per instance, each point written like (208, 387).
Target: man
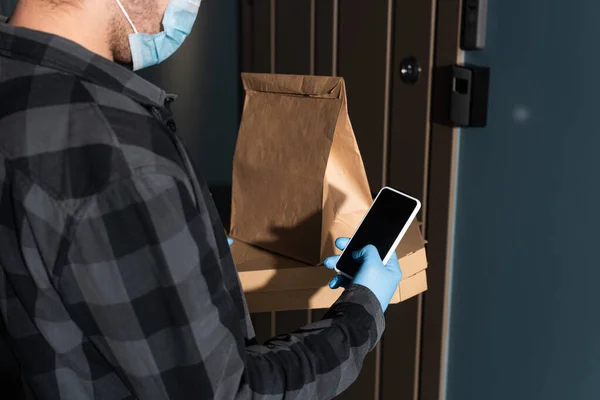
(116, 278)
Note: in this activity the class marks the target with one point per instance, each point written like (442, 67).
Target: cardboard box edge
(324, 297)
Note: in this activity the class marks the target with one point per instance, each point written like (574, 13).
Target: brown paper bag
(298, 177)
(298, 184)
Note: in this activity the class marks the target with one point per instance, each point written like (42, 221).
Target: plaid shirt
(116, 279)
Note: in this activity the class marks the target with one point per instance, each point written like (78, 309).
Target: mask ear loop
(126, 15)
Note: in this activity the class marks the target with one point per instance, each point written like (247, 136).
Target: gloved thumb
(339, 281)
(342, 242)
(330, 262)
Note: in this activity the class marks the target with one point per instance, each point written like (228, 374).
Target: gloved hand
(382, 279)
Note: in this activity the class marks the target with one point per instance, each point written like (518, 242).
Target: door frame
(440, 224)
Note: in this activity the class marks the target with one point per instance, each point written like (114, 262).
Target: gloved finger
(330, 262)
(230, 241)
(393, 265)
(393, 261)
(339, 281)
(367, 252)
(342, 242)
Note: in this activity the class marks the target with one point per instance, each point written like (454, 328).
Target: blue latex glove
(230, 241)
(382, 279)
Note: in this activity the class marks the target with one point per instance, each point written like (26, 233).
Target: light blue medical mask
(151, 49)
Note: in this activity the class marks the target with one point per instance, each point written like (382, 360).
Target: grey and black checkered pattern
(116, 279)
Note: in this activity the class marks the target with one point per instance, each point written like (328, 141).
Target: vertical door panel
(362, 62)
(256, 32)
(362, 59)
(441, 199)
(256, 35)
(323, 55)
(293, 35)
(324, 37)
(408, 166)
(262, 326)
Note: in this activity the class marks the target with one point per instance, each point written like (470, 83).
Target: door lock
(460, 95)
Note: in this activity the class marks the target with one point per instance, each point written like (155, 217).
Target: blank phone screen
(381, 226)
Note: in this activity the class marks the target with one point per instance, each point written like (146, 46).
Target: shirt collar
(55, 52)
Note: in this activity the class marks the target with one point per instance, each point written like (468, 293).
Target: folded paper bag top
(298, 184)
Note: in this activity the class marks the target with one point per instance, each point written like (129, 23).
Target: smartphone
(383, 226)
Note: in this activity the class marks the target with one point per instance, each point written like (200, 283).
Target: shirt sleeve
(144, 281)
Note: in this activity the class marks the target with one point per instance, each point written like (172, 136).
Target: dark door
(367, 43)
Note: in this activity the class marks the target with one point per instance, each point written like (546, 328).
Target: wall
(204, 73)
(6, 6)
(524, 319)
